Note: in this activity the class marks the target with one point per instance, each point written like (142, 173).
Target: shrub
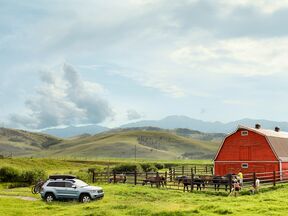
(9, 174)
(32, 176)
(159, 166)
(127, 168)
(147, 167)
(83, 175)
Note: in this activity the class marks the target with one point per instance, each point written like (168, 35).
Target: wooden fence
(173, 179)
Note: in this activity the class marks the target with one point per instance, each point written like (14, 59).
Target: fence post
(212, 173)
(157, 180)
(182, 170)
(170, 174)
(165, 177)
(230, 183)
(274, 178)
(174, 174)
(195, 169)
(192, 179)
(135, 177)
(114, 177)
(254, 179)
(93, 176)
(206, 169)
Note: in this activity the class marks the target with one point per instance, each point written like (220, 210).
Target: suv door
(59, 187)
(71, 193)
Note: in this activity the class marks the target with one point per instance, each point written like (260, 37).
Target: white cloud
(133, 115)
(243, 56)
(63, 100)
(265, 6)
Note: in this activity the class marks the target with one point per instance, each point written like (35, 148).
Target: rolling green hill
(20, 142)
(120, 143)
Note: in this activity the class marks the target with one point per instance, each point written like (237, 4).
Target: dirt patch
(27, 198)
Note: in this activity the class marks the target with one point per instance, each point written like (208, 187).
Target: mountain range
(170, 122)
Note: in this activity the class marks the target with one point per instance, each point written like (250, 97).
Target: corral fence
(199, 169)
(181, 179)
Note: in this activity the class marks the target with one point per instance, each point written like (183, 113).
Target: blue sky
(112, 62)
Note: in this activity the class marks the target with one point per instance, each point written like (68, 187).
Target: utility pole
(135, 152)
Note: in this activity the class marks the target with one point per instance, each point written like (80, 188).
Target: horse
(222, 180)
(180, 179)
(118, 178)
(198, 181)
(158, 181)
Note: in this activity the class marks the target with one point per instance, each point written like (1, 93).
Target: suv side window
(56, 184)
(68, 184)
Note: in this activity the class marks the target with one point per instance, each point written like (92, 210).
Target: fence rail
(181, 179)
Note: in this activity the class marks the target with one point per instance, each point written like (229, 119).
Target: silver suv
(59, 187)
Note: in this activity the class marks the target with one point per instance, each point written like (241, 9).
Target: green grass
(74, 164)
(121, 199)
(51, 166)
(139, 200)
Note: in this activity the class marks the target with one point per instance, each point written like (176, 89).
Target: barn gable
(277, 140)
(241, 147)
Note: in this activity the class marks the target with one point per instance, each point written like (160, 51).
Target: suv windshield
(80, 183)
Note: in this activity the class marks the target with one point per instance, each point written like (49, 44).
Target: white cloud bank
(63, 100)
(241, 56)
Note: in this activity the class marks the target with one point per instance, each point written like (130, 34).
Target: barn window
(244, 165)
(244, 133)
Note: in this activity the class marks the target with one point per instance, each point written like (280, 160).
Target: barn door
(244, 153)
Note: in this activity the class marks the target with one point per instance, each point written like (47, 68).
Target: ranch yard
(128, 199)
(121, 199)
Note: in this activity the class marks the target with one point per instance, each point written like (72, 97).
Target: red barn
(252, 150)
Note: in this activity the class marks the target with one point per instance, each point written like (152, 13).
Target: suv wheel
(85, 198)
(49, 197)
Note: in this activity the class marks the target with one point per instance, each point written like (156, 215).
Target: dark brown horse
(198, 181)
(157, 180)
(222, 180)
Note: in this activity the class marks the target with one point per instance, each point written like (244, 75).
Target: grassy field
(121, 199)
(139, 200)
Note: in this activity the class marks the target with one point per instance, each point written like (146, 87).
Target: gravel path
(20, 197)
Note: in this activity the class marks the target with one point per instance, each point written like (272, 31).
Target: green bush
(147, 167)
(9, 174)
(159, 166)
(32, 176)
(127, 168)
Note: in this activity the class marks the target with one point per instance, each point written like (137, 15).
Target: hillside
(20, 142)
(148, 144)
(154, 143)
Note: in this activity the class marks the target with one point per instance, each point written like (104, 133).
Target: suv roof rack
(62, 177)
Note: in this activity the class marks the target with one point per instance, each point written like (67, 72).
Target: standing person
(235, 188)
(255, 187)
(240, 176)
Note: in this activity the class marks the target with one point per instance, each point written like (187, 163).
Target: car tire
(49, 197)
(85, 198)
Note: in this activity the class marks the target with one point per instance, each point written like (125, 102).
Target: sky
(118, 61)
